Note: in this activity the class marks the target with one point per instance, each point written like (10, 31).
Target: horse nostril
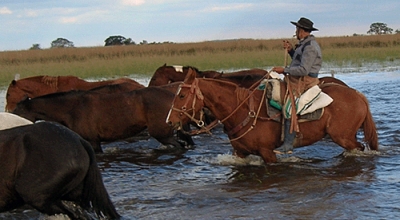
(169, 123)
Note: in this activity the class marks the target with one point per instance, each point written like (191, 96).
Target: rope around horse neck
(255, 118)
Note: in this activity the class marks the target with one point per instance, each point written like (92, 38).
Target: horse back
(117, 88)
(46, 162)
(25, 154)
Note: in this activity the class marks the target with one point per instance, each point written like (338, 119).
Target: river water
(315, 182)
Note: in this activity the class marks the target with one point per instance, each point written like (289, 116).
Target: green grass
(118, 61)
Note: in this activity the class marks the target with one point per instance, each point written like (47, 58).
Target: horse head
(14, 94)
(187, 102)
(163, 75)
(28, 87)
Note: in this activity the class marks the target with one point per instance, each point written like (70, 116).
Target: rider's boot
(287, 146)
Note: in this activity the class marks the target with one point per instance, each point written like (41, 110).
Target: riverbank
(356, 52)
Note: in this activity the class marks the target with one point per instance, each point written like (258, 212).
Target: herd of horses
(74, 117)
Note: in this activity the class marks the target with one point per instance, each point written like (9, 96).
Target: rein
(195, 90)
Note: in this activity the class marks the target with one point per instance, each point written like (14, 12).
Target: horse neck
(165, 75)
(55, 107)
(67, 83)
(222, 98)
(35, 87)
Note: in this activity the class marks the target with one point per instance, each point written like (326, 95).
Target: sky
(88, 23)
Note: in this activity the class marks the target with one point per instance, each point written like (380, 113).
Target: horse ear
(13, 82)
(165, 64)
(219, 75)
(190, 76)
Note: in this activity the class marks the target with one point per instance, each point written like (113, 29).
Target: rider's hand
(287, 45)
(278, 69)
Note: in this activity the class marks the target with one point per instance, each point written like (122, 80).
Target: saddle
(309, 106)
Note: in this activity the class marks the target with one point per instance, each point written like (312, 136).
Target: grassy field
(117, 61)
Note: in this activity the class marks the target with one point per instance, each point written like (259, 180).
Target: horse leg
(268, 155)
(96, 146)
(185, 138)
(348, 142)
(164, 134)
(9, 201)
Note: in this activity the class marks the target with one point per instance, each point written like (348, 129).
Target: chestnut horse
(244, 78)
(251, 130)
(100, 115)
(51, 168)
(42, 85)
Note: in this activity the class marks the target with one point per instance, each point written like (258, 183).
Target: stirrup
(284, 149)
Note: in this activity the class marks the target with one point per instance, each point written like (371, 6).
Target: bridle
(196, 93)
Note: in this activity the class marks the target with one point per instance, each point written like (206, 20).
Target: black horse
(48, 167)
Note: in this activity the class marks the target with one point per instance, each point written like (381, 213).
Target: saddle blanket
(309, 101)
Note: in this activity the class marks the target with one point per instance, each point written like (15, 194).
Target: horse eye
(181, 96)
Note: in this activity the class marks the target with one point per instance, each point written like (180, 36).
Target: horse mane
(61, 94)
(193, 68)
(51, 81)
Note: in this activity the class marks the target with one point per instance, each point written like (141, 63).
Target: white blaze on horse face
(172, 106)
(169, 113)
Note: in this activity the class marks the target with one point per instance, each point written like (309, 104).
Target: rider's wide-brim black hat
(305, 23)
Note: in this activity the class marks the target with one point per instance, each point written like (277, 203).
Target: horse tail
(94, 192)
(369, 127)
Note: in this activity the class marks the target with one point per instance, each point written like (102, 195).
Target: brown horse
(168, 74)
(98, 115)
(252, 131)
(244, 78)
(42, 85)
(48, 167)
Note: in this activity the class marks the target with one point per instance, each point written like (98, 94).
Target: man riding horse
(302, 73)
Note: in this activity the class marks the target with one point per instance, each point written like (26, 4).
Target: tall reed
(116, 61)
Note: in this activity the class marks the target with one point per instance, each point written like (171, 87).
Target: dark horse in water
(42, 85)
(243, 78)
(98, 115)
(48, 167)
(252, 131)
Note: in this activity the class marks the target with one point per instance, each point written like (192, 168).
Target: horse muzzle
(176, 125)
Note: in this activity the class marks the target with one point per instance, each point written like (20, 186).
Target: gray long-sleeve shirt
(306, 59)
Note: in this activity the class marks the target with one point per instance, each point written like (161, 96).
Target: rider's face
(297, 32)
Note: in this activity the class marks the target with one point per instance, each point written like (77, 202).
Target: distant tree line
(380, 28)
(377, 28)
